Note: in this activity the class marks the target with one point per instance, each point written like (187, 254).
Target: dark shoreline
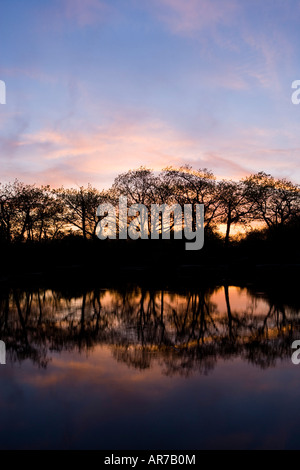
(185, 276)
(161, 262)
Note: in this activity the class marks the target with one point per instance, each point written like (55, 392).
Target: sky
(97, 87)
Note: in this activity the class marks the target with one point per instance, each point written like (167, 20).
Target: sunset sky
(96, 87)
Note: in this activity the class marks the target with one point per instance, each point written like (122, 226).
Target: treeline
(32, 213)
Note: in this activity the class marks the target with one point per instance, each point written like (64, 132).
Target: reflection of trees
(184, 332)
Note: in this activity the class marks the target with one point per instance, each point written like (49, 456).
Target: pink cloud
(82, 157)
(97, 155)
(33, 73)
(78, 13)
(271, 52)
(194, 15)
(201, 20)
(85, 12)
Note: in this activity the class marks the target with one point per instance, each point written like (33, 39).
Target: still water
(132, 368)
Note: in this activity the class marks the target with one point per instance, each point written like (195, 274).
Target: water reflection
(184, 331)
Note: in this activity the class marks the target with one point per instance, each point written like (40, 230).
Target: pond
(137, 368)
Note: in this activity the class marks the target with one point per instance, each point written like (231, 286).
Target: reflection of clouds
(98, 369)
(240, 300)
(182, 332)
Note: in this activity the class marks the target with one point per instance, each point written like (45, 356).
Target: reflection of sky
(95, 402)
(98, 399)
(95, 87)
(241, 301)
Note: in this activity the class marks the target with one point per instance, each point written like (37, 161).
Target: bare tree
(80, 207)
(185, 185)
(234, 206)
(138, 185)
(274, 201)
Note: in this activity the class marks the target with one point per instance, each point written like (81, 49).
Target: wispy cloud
(33, 73)
(205, 82)
(85, 12)
(192, 16)
(76, 13)
(99, 154)
(81, 157)
(254, 51)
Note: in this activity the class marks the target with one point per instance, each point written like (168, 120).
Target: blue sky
(97, 87)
